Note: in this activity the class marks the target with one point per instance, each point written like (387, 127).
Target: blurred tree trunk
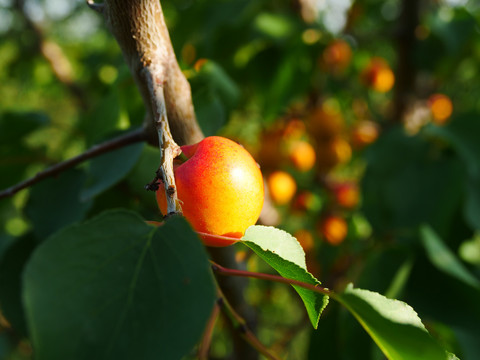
(406, 73)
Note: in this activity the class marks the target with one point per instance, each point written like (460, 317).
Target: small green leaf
(108, 169)
(285, 254)
(444, 259)
(392, 324)
(117, 288)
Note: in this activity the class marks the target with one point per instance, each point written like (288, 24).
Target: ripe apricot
(302, 155)
(220, 187)
(334, 229)
(282, 187)
(346, 194)
(337, 55)
(378, 75)
(364, 133)
(441, 107)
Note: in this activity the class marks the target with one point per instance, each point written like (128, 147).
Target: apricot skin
(220, 188)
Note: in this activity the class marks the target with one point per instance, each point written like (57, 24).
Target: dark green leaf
(11, 268)
(444, 259)
(393, 325)
(117, 288)
(108, 169)
(55, 202)
(406, 178)
(210, 111)
(461, 134)
(284, 253)
(15, 154)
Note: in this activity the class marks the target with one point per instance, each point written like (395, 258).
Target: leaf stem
(132, 137)
(276, 278)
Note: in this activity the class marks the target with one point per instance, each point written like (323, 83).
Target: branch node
(171, 214)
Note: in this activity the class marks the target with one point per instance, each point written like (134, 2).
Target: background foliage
(262, 72)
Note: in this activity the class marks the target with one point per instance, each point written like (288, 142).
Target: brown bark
(141, 32)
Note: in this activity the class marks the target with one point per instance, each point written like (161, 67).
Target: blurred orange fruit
(337, 55)
(302, 155)
(441, 107)
(305, 238)
(282, 187)
(378, 75)
(364, 133)
(334, 229)
(346, 194)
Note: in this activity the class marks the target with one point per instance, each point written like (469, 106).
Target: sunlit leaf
(284, 253)
(393, 325)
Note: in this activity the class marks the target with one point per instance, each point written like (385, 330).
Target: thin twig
(132, 137)
(245, 332)
(250, 274)
(204, 346)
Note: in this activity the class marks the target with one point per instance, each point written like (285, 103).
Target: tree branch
(141, 32)
(110, 145)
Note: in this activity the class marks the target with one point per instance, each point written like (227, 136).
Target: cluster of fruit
(376, 73)
(302, 160)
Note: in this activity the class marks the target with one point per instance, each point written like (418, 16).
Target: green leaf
(285, 254)
(404, 182)
(117, 288)
(469, 250)
(461, 134)
(55, 203)
(15, 154)
(211, 112)
(392, 324)
(11, 268)
(444, 259)
(108, 169)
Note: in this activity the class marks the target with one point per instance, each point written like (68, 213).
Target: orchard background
(364, 118)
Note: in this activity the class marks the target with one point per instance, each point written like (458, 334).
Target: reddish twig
(276, 278)
(204, 346)
(110, 145)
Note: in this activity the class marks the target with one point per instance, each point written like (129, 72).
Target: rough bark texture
(141, 32)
